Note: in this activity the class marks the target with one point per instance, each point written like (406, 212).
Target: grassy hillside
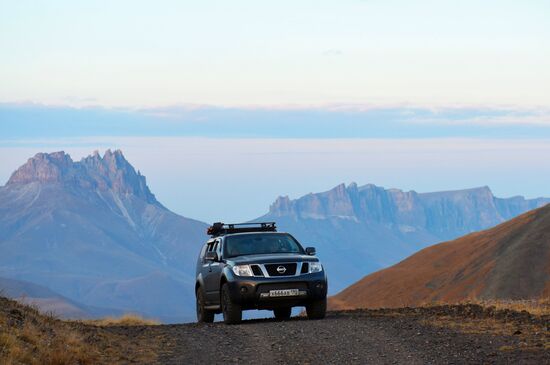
(508, 262)
(29, 337)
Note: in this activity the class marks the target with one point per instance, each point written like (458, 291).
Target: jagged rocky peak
(281, 206)
(352, 187)
(115, 160)
(110, 172)
(115, 172)
(334, 202)
(43, 167)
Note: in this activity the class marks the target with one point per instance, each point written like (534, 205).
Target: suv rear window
(262, 243)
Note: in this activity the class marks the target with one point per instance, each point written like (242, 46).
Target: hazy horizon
(188, 178)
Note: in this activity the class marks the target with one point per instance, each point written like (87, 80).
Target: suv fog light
(244, 289)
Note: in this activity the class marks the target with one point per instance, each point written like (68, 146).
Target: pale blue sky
(292, 96)
(144, 53)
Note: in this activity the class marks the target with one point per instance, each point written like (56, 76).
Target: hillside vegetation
(507, 262)
(29, 337)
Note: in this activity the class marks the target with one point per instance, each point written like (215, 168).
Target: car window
(210, 246)
(263, 243)
(203, 251)
(219, 248)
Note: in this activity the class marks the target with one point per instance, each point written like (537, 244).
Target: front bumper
(253, 292)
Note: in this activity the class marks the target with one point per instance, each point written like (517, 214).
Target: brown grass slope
(30, 337)
(509, 261)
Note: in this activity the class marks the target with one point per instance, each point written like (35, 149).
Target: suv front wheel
(232, 312)
(316, 309)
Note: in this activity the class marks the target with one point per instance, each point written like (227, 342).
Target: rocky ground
(437, 335)
(450, 334)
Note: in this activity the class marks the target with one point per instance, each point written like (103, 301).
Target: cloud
(31, 121)
(80, 101)
(332, 52)
(488, 118)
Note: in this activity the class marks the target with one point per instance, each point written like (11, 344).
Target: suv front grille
(256, 270)
(305, 268)
(277, 269)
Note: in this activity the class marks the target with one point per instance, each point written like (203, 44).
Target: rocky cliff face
(112, 172)
(92, 231)
(442, 213)
(44, 168)
(359, 229)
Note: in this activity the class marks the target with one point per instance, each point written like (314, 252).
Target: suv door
(213, 275)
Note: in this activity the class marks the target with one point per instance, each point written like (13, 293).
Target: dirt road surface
(409, 336)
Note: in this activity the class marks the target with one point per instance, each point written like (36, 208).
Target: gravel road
(360, 337)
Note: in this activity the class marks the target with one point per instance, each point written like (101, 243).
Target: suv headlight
(315, 267)
(242, 270)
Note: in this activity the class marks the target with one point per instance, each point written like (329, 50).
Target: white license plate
(284, 293)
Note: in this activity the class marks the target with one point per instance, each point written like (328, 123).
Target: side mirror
(211, 256)
(310, 251)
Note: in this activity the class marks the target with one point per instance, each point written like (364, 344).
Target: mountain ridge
(340, 201)
(92, 231)
(365, 228)
(110, 172)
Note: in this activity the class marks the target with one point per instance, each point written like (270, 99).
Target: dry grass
(529, 336)
(29, 337)
(537, 307)
(125, 320)
(532, 335)
(26, 337)
(474, 325)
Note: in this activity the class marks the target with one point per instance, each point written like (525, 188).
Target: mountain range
(92, 232)
(509, 261)
(360, 229)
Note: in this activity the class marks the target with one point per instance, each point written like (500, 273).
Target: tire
(282, 313)
(203, 314)
(316, 309)
(232, 312)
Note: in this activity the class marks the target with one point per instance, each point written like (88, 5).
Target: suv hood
(272, 258)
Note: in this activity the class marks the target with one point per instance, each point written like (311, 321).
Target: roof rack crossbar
(219, 228)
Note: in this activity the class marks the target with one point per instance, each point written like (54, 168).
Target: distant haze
(208, 178)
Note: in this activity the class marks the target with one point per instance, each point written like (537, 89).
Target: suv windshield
(261, 243)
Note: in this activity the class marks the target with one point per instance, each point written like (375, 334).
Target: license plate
(284, 293)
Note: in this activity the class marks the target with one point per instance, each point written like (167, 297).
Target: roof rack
(219, 228)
